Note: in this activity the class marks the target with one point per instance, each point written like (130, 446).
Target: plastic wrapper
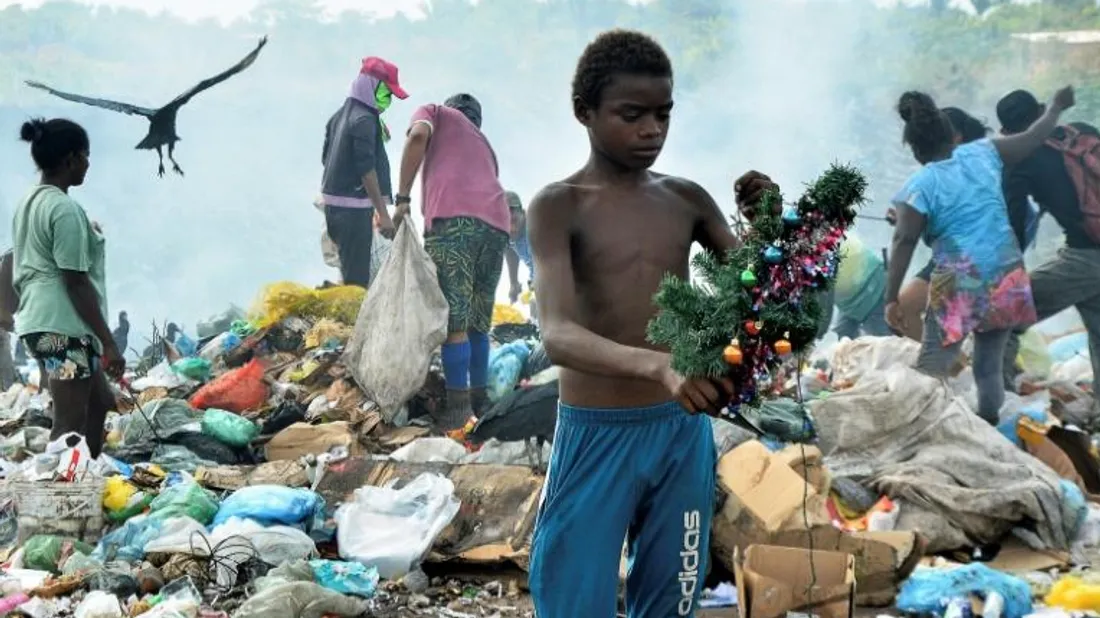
(186, 499)
(392, 529)
(925, 590)
(229, 428)
(300, 600)
(279, 301)
(236, 391)
(327, 333)
(193, 368)
(1074, 594)
(505, 368)
(346, 577)
(272, 504)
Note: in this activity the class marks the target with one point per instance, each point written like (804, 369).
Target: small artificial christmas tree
(760, 305)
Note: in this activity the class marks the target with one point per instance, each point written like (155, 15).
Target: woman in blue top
(955, 202)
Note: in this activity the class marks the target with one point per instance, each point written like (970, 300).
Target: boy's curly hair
(617, 51)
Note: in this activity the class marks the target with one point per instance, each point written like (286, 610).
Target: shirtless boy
(632, 458)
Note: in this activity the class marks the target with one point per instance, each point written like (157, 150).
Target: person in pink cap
(356, 185)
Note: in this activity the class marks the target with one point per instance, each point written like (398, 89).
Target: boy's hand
(399, 215)
(698, 394)
(1064, 98)
(385, 226)
(892, 215)
(749, 189)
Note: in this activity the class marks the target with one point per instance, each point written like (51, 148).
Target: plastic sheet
(392, 529)
(168, 417)
(99, 604)
(275, 545)
(346, 577)
(128, 541)
(926, 589)
(505, 367)
(197, 369)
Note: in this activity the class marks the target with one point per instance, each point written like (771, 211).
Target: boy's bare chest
(624, 239)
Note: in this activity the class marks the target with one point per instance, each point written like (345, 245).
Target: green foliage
(696, 321)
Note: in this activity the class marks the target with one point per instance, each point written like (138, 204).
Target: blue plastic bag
(128, 541)
(345, 577)
(505, 366)
(274, 504)
(926, 589)
(1066, 347)
(186, 346)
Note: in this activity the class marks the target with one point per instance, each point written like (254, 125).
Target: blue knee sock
(479, 359)
(456, 365)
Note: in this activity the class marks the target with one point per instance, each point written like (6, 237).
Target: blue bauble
(791, 217)
(773, 255)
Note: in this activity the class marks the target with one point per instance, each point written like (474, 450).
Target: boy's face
(631, 122)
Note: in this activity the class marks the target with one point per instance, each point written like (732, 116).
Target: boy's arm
(1015, 148)
(568, 344)
(712, 231)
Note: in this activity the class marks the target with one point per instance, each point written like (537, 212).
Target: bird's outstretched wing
(221, 77)
(115, 106)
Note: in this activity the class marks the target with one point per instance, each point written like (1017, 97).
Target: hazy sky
(230, 9)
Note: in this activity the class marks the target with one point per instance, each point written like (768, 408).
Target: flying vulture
(162, 121)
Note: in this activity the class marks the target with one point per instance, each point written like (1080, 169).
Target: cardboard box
(766, 501)
(772, 581)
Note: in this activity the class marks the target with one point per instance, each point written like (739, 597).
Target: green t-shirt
(52, 233)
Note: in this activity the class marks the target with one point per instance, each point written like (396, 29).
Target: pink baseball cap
(385, 71)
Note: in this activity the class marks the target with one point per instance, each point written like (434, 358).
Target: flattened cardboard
(772, 581)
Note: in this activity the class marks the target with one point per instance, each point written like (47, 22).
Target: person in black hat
(1073, 278)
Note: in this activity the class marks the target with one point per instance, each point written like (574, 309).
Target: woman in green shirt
(59, 276)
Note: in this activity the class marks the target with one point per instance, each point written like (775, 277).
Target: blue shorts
(644, 475)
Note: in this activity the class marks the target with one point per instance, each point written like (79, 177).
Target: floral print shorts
(64, 358)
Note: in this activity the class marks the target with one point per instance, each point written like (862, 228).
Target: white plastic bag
(99, 604)
(401, 323)
(275, 545)
(391, 529)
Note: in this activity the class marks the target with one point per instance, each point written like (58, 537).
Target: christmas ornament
(791, 217)
(748, 279)
(782, 347)
(752, 328)
(732, 354)
(773, 254)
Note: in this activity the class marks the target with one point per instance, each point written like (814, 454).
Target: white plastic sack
(401, 323)
(852, 359)
(391, 529)
(275, 545)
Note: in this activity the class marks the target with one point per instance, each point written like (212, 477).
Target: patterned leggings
(469, 257)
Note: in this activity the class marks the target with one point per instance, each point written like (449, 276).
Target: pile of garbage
(247, 473)
(274, 465)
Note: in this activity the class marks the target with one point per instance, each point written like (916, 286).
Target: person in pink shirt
(466, 231)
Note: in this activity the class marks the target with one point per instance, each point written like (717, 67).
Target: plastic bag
(392, 529)
(279, 301)
(506, 314)
(219, 346)
(46, 552)
(1034, 357)
(185, 499)
(99, 604)
(186, 346)
(128, 541)
(237, 390)
(177, 536)
(505, 367)
(275, 545)
(326, 331)
(160, 376)
(1067, 346)
(229, 428)
(300, 600)
(192, 368)
(925, 590)
(389, 359)
(271, 504)
(169, 417)
(345, 577)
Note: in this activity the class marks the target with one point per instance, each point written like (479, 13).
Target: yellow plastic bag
(1034, 357)
(279, 301)
(117, 493)
(1074, 594)
(506, 314)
